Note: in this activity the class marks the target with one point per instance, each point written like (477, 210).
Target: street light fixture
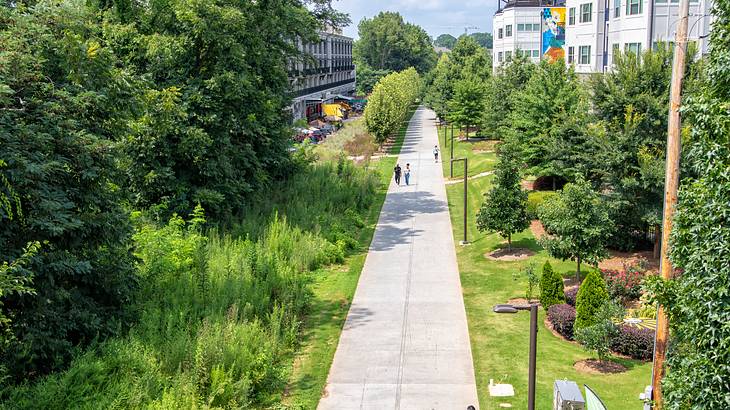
(533, 346)
(451, 172)
(466, 186)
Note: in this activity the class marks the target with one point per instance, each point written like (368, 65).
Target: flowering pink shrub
(625, 284)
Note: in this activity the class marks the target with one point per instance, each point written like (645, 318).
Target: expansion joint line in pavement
(404, 328)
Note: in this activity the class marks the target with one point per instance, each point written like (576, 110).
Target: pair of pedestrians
(397, 171)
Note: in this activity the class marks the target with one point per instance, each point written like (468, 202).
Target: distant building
(588, 33)
(330, 74)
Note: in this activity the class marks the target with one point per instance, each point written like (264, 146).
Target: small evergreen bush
(562, 317)
(551, 287)
(592, 295)
(637, 343)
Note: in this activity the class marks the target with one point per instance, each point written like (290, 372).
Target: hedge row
(389, 103)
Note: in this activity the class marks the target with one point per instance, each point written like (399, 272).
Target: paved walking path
(405, 343)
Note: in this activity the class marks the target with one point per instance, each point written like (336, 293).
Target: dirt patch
(618, 260)
(537, 229)
(504, 254)
(528, 185)
(523, 302)
(593, 366)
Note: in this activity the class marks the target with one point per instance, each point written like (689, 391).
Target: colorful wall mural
(553, 33)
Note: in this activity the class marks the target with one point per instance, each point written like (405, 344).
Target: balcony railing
(322, 87)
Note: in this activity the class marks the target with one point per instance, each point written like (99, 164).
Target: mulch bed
(504, 254)
(537, 229)
(593, 366)
(523, 302)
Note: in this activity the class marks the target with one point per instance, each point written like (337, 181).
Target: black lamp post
(533, 346)
(466, 187)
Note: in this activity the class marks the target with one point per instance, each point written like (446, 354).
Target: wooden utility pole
(671, 186)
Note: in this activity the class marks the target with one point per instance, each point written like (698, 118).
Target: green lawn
(333, 291)
(482, 162)
(500, 343)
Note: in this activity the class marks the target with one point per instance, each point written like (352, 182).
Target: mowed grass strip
(500, 342)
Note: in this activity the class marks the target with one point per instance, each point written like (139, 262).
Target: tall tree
(501, 88)
(632, 102)
(577, 224)
(696, 299)
(387, 42)
(547, 123)
(467, 104)
(505, 206)
(445, 40)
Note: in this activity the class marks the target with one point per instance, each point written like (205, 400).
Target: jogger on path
(436, 153)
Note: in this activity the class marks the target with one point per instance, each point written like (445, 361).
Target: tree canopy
(483, 39)
(445, 40)
(387, 42)
(390, 101)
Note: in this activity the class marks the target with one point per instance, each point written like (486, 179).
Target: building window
(499, 33)
(507, 56)
(616, 8)
(535, 53)
(499, 57)
(616, 49)
(520, 27)
(508, 30)
(571, 16)
(571, 55)
(586, 12)
(584, 55)
(633, 48)
(633, 7)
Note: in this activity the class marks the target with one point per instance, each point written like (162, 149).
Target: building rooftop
(507, 4)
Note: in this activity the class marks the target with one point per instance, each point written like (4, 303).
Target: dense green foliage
(107, 106)
(546, 122)
(697, 299)
(551, 287)
(577, 224)
(483, 39)
(367, 77)
(467, 67)
(445, 40)
(389, 43)
(501, 90)
(505, 206)
(390, 102)
(592, 296)
(219, 314)
(61, 103)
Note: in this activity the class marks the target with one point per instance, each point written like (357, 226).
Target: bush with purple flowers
(562, 317)
(635, 342)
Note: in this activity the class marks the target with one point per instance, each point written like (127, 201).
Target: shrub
(592, 295)
(532, 280)
(551, 287)
(598, 336)
(571, 295)
(637, 343)
(534, 200)
(562, 317)
(625, 285)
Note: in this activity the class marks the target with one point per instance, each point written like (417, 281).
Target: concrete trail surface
(405, 343)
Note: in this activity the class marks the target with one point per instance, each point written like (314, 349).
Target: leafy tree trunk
(509, 242)
(554, 183)
(657, 241)
(577, 272)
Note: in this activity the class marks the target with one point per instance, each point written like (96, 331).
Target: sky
(435, 16)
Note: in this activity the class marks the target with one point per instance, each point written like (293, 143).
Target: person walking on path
(397, 172)
(436, 153)
(407, 173)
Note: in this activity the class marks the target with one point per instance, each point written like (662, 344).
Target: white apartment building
(596, 29)
(328, 74)
(517, 27)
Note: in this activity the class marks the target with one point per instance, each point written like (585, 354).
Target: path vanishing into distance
(405, 343)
